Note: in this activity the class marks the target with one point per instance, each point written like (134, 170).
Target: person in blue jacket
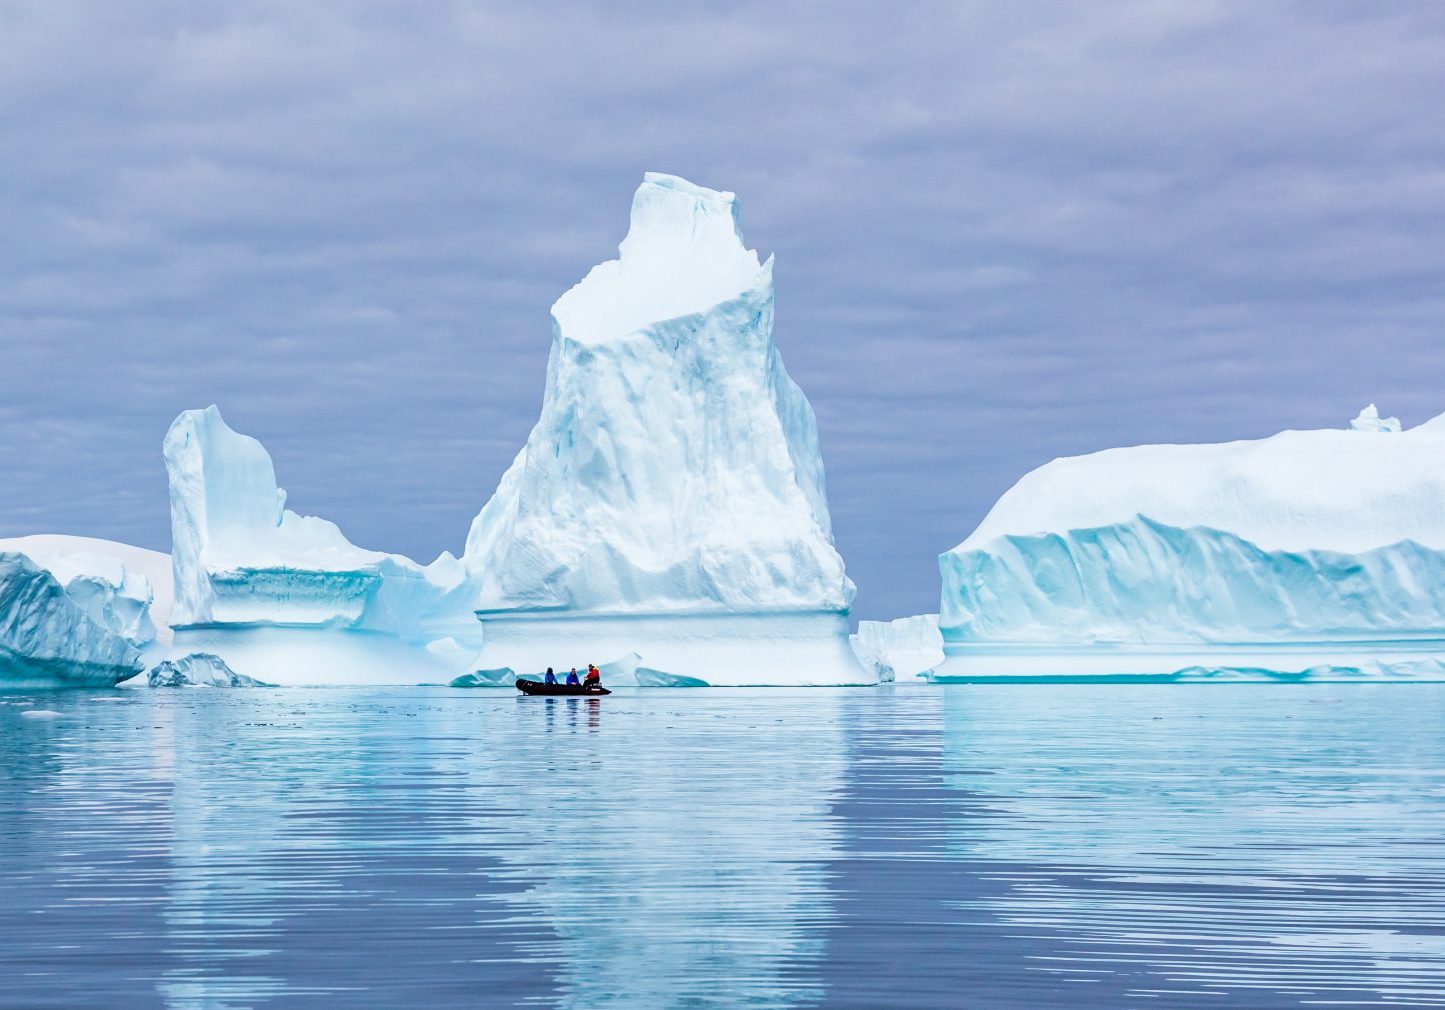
(572, 680)
(550, 678)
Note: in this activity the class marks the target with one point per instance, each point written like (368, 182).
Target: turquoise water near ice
(976, 846)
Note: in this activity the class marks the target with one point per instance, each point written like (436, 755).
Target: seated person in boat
(594, 677)
(572, 680)
(549, 677)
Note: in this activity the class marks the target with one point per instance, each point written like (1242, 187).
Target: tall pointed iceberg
(670, 500)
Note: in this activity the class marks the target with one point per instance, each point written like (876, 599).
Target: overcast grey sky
(1004, 232)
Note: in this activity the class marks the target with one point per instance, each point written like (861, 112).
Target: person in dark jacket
(550, 677)
(572, 680)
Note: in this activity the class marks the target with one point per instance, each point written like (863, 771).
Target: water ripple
(977, 846)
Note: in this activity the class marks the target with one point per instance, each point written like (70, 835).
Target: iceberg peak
(1369, 419)
(683, 254)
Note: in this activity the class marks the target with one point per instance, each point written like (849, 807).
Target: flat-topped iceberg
(1308, 545)
(670, 500)
(47, 639)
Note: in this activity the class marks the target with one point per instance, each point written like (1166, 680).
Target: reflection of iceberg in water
(318, 851)
(1197, 841)
(674, 883)
(398, 848)
(227, 821)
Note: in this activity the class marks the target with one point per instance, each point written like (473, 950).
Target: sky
(1003, 233)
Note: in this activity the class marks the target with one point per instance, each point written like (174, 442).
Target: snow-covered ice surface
(1308, 550)
(47, 639)
(286, 597)
(670, 500)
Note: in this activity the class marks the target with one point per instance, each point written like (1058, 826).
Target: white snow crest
(1327, 489)
(683, 254)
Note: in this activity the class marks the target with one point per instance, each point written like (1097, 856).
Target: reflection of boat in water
(536, 687)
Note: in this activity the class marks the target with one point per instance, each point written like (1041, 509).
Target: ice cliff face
(900, 649)
(124, 589)
(47, 639)
(1304, 536)
(675, 468)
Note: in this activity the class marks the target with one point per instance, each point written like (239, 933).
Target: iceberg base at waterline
(675, 650)
(1420, 660)
(326, 657)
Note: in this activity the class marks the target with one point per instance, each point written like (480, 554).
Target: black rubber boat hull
(536, 688)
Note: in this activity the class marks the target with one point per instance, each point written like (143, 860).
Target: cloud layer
(1003, 233)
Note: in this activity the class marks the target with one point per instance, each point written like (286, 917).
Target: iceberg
(670, 500)
(485, 678)
(199, 669)
(48, 640)
(1369, 419)
(900, 649)
(124, 589)
(242, 558)
(1305, 548)
(287, 596)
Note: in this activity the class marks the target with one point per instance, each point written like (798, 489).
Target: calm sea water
(1101, 846)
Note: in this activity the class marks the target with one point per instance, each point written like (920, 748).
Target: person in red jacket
(593, 678)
